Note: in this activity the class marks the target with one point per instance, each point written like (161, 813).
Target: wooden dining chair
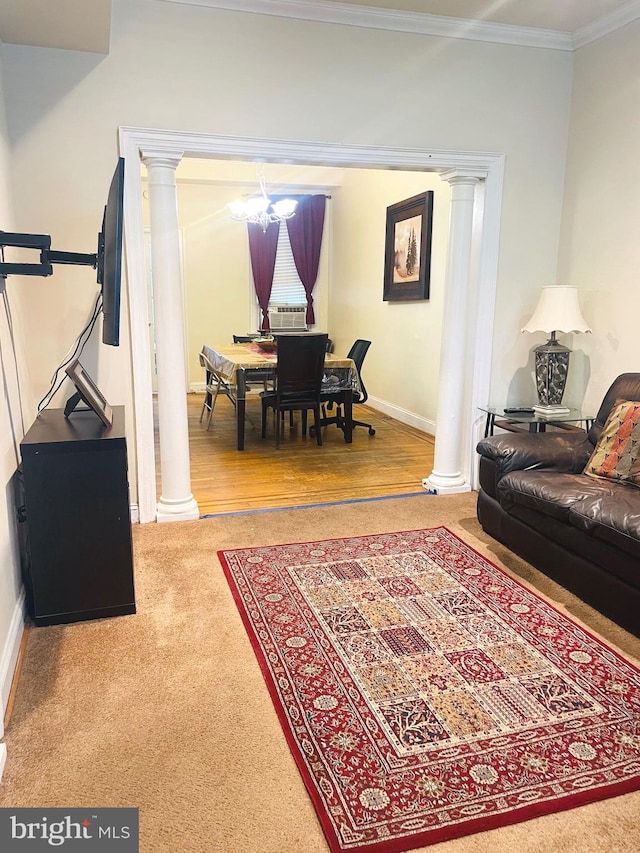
(299, 371)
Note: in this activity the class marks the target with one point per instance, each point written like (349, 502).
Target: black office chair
(299, 372)
(357, 353)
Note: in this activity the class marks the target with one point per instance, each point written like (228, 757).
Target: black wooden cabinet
(79, 561)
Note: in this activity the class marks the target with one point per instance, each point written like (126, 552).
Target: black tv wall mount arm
(48, 257)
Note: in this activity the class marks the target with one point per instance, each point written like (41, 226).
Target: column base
(177, 510)
(445, 485)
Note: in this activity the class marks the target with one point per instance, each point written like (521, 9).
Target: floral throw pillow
(617, 454)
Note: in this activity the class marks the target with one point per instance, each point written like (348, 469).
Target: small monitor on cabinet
(88, 392)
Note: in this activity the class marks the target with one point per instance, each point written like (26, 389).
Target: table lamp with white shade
(557, 311)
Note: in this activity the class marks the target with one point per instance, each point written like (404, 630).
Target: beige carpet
(167, 710)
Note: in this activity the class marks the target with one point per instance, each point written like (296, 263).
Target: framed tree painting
(407, 265)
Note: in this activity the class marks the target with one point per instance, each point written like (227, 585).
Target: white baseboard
(9, 656)
(402, 415)
(3, 758)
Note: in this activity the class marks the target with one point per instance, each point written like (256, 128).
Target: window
(287, 287)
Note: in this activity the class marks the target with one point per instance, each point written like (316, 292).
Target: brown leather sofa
(581, 531)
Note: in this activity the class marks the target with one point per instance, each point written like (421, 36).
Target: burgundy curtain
(262, 249)
(305, 236)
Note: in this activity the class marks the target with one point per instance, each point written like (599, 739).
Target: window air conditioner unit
(287, 317)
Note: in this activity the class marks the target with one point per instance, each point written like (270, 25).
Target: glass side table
(536, 422)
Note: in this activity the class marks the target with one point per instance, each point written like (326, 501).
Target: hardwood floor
(223, 479)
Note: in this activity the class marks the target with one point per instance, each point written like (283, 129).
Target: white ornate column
(176, 502)
(447, 477)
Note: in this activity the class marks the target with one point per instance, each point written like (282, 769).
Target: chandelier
(260, 210)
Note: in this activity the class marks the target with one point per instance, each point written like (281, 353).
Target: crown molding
(607, 24)
(398, 21)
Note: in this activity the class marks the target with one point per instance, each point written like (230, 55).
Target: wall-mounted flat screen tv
(107, 260)
(110, 257)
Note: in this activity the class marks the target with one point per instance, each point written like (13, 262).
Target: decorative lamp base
(552, 365)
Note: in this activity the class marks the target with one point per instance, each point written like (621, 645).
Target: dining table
(237, 362)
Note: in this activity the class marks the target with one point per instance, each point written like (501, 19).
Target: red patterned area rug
(425, 694)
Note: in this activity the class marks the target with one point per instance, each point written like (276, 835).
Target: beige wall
(215, 269)
(402, 367)
(176, 67)
(11, 432)
(600, 247)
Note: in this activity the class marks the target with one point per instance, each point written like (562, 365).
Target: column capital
(463, 176)
(159, 157)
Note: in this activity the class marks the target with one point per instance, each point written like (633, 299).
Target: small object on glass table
(518, 410)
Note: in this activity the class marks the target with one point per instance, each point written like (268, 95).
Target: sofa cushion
(551, 493)
(616, 456)
(601, 574)
(517, 451)
(613, 518)
(606, 510)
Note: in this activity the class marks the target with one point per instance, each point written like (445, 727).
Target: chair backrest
(357, 353)
(204, 361)
(300, 365)
(624, 387)
(213, 376)
(209, 371)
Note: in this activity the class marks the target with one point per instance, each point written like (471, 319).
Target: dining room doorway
(474, 323)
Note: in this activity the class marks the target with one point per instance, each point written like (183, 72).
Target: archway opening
(474, 326)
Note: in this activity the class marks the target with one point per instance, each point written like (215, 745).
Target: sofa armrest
(567, 452)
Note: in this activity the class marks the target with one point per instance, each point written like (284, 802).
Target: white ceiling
(85, 24)
(67, 24)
